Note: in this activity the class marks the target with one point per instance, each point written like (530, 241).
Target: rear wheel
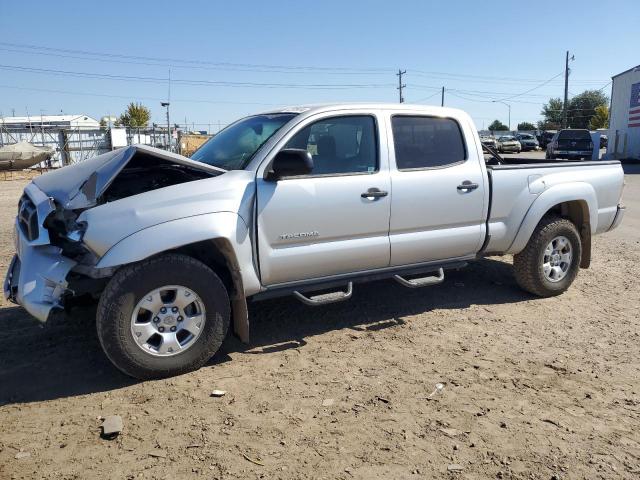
(551, 260)
(164, 316)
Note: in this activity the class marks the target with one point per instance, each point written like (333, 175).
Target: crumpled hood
(80, 185)
(109, 223)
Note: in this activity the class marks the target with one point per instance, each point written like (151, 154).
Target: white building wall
(623, 141)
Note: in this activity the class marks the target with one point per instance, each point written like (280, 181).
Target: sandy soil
(532, 388)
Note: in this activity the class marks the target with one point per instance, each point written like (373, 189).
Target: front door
(320, 224)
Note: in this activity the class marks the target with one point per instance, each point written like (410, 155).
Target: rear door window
(574, 135)
(427, 142)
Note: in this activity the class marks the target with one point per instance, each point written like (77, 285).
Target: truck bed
(516, 187)
(510, 163)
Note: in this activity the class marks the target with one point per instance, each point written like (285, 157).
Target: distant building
(50, 121)
(624, 114)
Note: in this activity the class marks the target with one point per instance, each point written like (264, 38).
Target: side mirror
(290, 162)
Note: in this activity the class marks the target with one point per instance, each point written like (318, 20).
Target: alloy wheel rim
(168, 320)
(557, 257)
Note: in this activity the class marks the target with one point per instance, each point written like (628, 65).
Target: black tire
(128, 286)
(528, 263)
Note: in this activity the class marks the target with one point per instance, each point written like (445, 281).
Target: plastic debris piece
(112, 426)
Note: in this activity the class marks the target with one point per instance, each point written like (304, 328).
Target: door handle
(374, 193)
(467, 185)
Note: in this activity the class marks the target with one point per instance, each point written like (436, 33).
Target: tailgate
(575, 144)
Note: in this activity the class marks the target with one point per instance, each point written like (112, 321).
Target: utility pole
(442, 101)
(400, 84)
(566, 90)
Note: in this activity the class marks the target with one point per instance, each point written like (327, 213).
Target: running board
(325, 298)
(421, 282)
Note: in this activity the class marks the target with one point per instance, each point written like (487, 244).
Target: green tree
(136, 115)
(600, 119)
(524, 126)
(552, 113)
(583, 107)
(497, 125)
(580, 110)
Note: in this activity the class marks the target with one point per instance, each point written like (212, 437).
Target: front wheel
(549, 263)
(162, 317)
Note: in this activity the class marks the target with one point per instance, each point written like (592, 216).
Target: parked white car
(509, 143)
(290, 202)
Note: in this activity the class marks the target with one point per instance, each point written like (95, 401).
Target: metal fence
(73, 145)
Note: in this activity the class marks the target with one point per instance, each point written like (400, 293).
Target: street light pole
(508, 106)
(166, 104)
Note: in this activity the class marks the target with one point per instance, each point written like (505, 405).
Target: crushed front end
(37, 275)
(55, 265)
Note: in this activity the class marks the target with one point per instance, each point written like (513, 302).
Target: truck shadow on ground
(64, 357)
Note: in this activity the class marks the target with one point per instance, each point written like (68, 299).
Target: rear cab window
(574, 135)
(422, 142)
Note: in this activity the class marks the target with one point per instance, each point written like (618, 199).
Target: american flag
(634, 106)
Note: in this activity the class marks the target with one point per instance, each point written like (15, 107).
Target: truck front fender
(556, 195)
(226, 230)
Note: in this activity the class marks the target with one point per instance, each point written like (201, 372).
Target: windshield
(506, 139)
(526, 136)
(233, 147)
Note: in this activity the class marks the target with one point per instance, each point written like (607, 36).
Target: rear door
(321, 224)
(439, 202)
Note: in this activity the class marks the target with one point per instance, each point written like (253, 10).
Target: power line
(485, 78)
(497, 94)
(221, 83)
(532, 89)
(163, 61)
(199, 67)
(248, 67)
(136, 97)
(426, 98)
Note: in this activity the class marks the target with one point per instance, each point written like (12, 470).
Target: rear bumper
(36, 278)
(572, 153)
(617, 220)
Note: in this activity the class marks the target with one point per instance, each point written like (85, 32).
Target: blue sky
(229, 59)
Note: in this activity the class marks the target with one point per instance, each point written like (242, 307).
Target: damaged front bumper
(36, 278)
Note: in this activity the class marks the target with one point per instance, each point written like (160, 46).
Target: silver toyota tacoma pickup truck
(302, 201)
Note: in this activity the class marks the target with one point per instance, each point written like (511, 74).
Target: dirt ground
(533, 388)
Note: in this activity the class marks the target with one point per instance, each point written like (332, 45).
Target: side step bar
(421, 282)
(325, 298)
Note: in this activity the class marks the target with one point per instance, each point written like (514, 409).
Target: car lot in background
(527, 141)
(509, 143)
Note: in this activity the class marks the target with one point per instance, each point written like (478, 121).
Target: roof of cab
(408, 107)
